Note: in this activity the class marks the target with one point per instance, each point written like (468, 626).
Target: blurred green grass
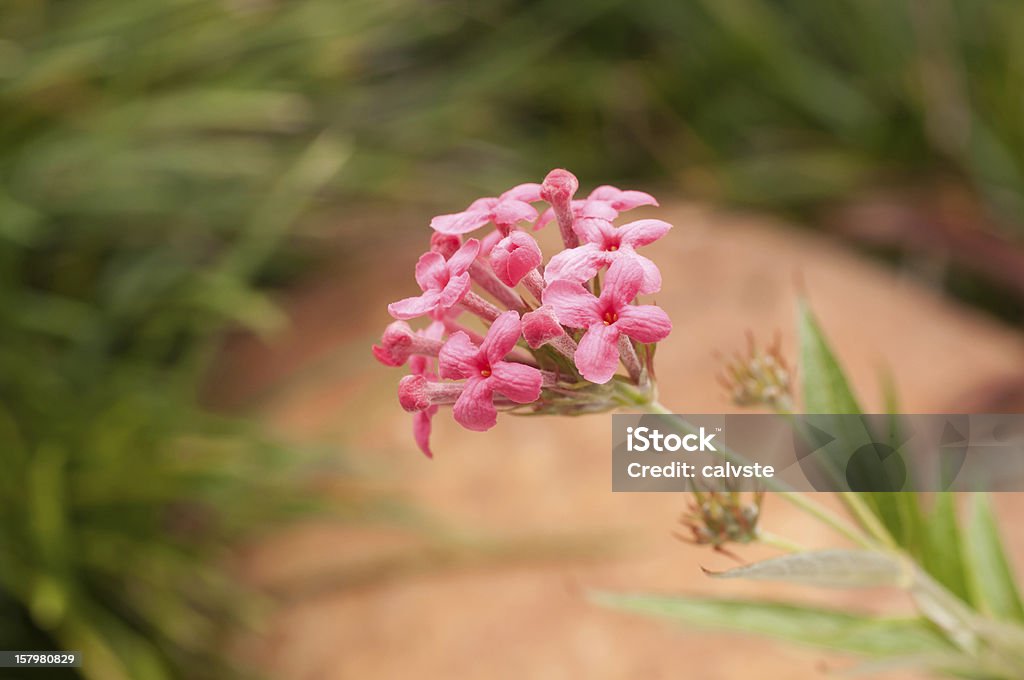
(163, 164)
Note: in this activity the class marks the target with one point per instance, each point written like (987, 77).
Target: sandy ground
(531, 497)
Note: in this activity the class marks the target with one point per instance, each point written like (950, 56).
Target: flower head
(607, 317)
(485, 370)
(453, 364)
(605, 244)
(505, 212)
(444, 282)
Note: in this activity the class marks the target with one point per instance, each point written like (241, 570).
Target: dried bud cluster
(717, 518)
(759, 377)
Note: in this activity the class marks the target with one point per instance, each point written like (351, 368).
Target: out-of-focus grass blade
(826, 628)
(826, 391)
(990, 578)
(943, 547)
(825, 388)
(828, 568)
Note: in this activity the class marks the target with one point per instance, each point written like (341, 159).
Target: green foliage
(959, 576)
(154, 157)
(829, 629)
(990, 577)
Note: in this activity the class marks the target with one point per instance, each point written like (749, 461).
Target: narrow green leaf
(942, 549)
(827, 391)
(828, 568)
(990, 577)
(825, 628)
(825, 388)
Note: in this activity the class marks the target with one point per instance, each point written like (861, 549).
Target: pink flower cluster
(551, 337)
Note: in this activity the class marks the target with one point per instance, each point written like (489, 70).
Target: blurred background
(205, 205)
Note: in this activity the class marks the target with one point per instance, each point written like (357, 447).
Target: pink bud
(541, 327)
(399, 342)
(559, 187)
(395, 344)
(514, 257)
(413, 393)
(416, 393)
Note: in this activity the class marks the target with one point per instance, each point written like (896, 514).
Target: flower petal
(597, 357)
(483, 204)
(594, 229)
(460, 223)
(622, 282)
(421, 426)
(594, 210)
(474, 409)
(540, 326)
(519, 383)
(652, 275)
(488, 242)
(431, 272)
(412, 307)
(528, 193)
(456, 289)
(502, 336)
(462, 258)
(621, 200)
(510, 212)
(644, 323)
(459, 357)
(573, 305)
(435, 331)
(643, 232)
(576, 264)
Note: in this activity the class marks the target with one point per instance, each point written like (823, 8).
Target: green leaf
(990, 577)
(825, 628)
(827, 391)
(828, 568)
(942, 546)
(825, 388)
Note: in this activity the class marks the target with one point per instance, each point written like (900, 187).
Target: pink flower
(514, 257)
(505, 211)
(604, 244)
(444, 283)
(606, 318)
(486, 372)
(605, 202)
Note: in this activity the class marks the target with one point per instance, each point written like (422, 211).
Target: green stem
(779, 542)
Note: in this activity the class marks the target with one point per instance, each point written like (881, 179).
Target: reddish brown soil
(489, 609)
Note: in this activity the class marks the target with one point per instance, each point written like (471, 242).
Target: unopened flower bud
(558, 189)
(399, 342)
(416, 393)
(514, 257)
